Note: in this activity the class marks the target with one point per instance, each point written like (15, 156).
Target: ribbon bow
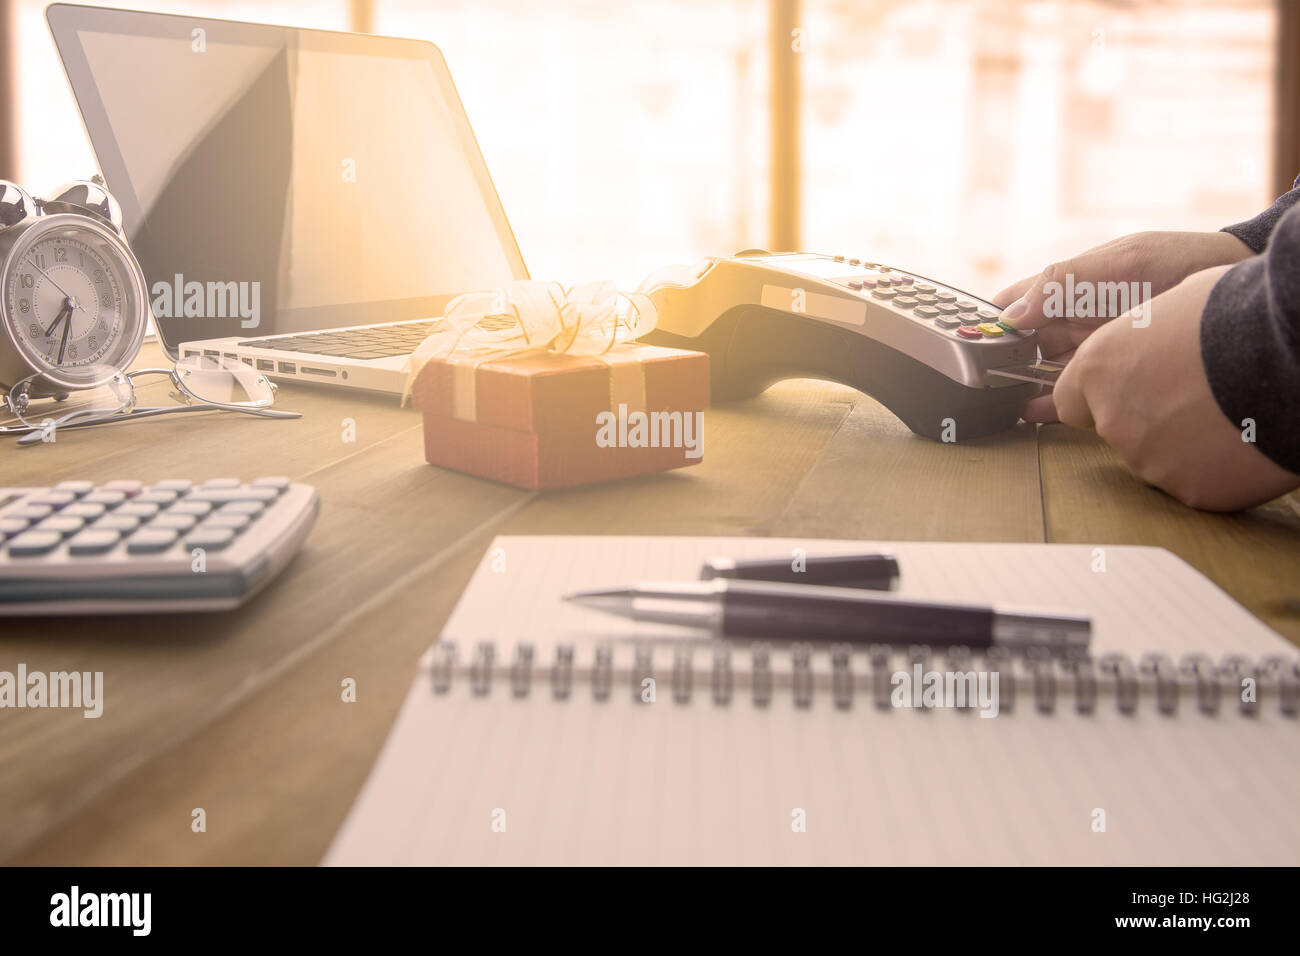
(533, 316)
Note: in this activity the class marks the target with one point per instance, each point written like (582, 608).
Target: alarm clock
(73, 298)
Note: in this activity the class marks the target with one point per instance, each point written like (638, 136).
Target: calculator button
(83, 510)
(965, 305)
(233, 522)
(853, 262)
(93, 541)
(12, 526)
(906, 280)
(149, 540)
(990, 329)
(869, 282)
(924, 287)
(210, 539)
(905, 302)
(926, 299)
(221, 483)
(189, 507)
(249, 508)
(855, 284)
(219, 496)
(32, 544)
(109, 499)
(62, 525)
(988, 315)
(945, 296)
(869, 265)
(174, 522)
(128, 488)
(947, 308)
(160, 498)
(178, 485)
(117, 523)
(31, 512)
(969, 332)
(52, 499)
(969, 319)
(143, 509)
(926, 311)
(947, 322)
(77, 488)
(884, 292)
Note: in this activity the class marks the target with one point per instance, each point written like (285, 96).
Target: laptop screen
(332, 178)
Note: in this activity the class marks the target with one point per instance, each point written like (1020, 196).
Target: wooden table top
(241, 713)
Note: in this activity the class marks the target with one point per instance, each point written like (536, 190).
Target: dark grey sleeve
(1250, 342)
(1255, 232)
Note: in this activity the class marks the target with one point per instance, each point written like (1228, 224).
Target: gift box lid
(545, 391)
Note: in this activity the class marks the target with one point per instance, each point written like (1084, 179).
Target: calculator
(130, 547)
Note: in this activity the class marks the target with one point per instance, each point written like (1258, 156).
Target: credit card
(1044, 372)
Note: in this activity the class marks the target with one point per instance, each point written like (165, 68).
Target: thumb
(1041, 408)
(1045, 299)
(1013, 292)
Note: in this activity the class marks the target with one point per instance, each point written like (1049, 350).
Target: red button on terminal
(969, 332)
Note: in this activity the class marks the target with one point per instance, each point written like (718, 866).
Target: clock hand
(67, 327)
(64, 312)
(73, 299)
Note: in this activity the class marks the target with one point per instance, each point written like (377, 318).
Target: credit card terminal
(927, 351)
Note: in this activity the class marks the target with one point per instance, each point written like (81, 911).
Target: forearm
(1255, 232)
(1250, 338)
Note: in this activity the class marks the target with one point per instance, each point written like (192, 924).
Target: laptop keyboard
(376, 342)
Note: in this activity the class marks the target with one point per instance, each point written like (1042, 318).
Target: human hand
(1141, 265)
(1144, 390)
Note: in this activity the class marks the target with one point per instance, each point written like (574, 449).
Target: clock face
(71, 298)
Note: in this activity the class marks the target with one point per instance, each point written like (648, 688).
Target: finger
(1048, 296)
(1013, 292)
(1040, 409)
(1058, 338)
(1027, 312)
(1069, 398)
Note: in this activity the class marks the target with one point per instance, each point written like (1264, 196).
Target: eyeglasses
(200, 383)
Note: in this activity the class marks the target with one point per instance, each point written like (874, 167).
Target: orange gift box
(547, 420)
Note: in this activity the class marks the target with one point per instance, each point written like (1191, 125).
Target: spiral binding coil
(1045, 678)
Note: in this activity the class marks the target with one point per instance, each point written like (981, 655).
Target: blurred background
(975, 140)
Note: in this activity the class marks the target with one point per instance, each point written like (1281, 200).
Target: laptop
(300, 200)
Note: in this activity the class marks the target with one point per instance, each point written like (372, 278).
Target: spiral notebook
(538, 732)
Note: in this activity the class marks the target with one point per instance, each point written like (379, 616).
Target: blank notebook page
(505, 777)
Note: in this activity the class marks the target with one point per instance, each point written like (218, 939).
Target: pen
(799, 612)
(875, 571)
